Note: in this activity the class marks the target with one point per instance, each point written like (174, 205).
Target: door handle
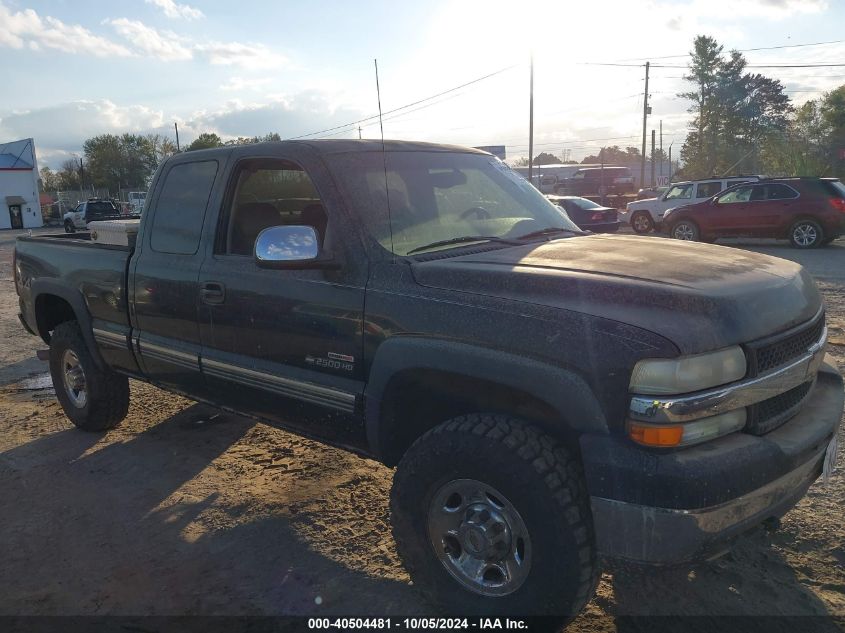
(212, 292)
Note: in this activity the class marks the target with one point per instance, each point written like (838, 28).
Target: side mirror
(290, 247)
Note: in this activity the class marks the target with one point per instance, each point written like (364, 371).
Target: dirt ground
(184, 510)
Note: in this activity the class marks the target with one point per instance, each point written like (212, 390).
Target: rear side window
(779, 192)
(708, 189)
(180, 209)
(837, 188)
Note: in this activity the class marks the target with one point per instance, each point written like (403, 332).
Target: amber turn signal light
(655, 435)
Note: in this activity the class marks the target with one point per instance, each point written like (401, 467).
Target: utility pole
(661, 148)
(670, 160)
(652, 158)
(531, 123)
(176, 127)
(645, 118)
(359, 132)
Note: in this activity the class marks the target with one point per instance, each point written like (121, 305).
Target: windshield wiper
(549, 230)
(462, 239)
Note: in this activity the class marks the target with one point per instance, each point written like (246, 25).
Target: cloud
(241, 84)
(168, 46)
(61, 129)
(174, 10)
(249, 56)
(65, 126)
(162, 45)
(18, 28)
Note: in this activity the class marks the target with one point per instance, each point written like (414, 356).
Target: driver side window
(680, 192)
(270, 192)
(741, 194)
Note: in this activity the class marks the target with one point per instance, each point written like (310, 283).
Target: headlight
(688, 433)
(661, 376)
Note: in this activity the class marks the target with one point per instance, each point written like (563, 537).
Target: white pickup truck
(88, 211)
(645, 216)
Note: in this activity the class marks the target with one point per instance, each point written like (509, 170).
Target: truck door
(163, 281)
(273, 339)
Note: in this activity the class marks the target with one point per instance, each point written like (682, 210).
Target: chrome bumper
(734, 396)
(664, 536)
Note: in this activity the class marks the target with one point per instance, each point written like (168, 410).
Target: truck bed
(71, 262)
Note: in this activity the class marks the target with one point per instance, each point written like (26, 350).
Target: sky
(75, 69)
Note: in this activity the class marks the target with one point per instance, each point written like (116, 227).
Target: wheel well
(50, 311)
(418, 400)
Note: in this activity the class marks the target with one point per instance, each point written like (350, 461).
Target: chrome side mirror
(281, 246)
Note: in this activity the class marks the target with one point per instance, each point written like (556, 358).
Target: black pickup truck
(549, 397)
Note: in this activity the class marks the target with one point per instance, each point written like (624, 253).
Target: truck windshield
(441, 196)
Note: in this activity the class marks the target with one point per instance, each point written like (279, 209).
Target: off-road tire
(107, 400)
(810, 224)
(539, 476)
(644, 220)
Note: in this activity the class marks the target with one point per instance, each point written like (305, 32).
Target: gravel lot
(183, 511)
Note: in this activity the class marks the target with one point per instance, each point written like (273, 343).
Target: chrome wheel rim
(641, 223)
(479, 537)
(684, 232)
(805, 234)
(73, 377)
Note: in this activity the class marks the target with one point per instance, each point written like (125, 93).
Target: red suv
(809, 212)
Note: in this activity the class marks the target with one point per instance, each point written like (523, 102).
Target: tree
(206, 140)
(544, 158)
(119, 162)
(69, 175)
(612, 155)
(50, 180)
(735, 113)
(249, 140)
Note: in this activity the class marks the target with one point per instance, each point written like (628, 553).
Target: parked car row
(645, 216)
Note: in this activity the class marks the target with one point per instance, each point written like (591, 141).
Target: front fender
(563, 390)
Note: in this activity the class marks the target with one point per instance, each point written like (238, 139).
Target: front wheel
(93, 399)
(642, 223)
(686, 230)
(491, 516)
(806, 234)
(69, 228)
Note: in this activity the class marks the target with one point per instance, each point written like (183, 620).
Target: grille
(781, 352)
(769, 414)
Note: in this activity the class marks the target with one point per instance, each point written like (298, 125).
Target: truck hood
(700, 297)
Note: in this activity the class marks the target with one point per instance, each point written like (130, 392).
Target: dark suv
(809, 212)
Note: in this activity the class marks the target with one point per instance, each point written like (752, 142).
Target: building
(20, 207)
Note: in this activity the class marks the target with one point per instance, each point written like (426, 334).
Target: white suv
(645, 216)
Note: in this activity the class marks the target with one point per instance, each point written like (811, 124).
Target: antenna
(384, 162)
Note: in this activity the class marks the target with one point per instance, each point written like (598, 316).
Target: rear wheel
(806, 234)
(686, 230)
(642, 223)
(491, 517)
(93, 399)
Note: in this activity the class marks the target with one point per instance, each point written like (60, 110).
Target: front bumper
(682, 505)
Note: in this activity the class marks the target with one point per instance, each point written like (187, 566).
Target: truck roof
(343, 146)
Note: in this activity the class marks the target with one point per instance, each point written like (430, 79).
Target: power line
(741, 50)
(407, 105)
